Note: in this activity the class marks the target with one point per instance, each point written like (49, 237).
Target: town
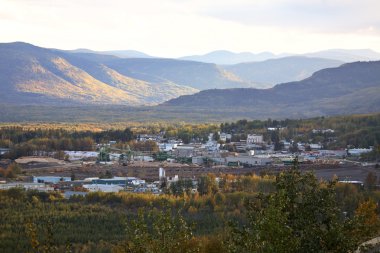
(156, 161)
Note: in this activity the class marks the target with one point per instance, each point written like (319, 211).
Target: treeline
(28, 142)
(207, 185)
(25, 141)
(12, 135)
(191, 132)
(291, 212)
(360, 131)
(47, 147)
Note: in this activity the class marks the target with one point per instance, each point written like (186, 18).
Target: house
(224, 137)
(211, 146)
(241, 145)
(149, 137)
(314, 146)
(197, 160)
(143, 158)
(254, 139)
(323, 131)
(275, 128)
(170, 180)
(286, 144)
(167, 146)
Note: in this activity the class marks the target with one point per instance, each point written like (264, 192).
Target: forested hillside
(291, 212)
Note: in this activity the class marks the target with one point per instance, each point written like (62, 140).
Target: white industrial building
(79, 155)
(167, 146)
(249, 160)
(358, 151)
(103, 187)
(184, 151)
(27, 186)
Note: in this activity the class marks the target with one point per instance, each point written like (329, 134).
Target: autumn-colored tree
(11, 171)
(158, 232)
(370, 181)
(367, 221)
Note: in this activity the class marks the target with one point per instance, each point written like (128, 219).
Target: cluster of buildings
(252, 151)
(66, 184)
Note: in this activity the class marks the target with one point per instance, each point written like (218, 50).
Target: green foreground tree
(302, 215)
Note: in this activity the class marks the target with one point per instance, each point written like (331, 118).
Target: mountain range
(35, 75)
(350, 88)
(31, 75)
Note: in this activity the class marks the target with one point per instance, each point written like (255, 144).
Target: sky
(173, 28)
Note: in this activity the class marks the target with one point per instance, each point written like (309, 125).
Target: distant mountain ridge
(118, 53)
(350, 88)
(224, 57)
(275, 71)
(347, 55)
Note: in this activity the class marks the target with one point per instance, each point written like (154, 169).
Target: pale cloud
(178, 27)
(319, 16)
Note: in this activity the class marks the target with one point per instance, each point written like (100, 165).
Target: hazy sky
(174, 28)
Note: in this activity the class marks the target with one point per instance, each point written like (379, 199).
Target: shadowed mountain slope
(353, 88)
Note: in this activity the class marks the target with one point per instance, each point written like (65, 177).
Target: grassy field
(112, 114)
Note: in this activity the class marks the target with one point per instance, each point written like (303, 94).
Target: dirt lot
(38, 160)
